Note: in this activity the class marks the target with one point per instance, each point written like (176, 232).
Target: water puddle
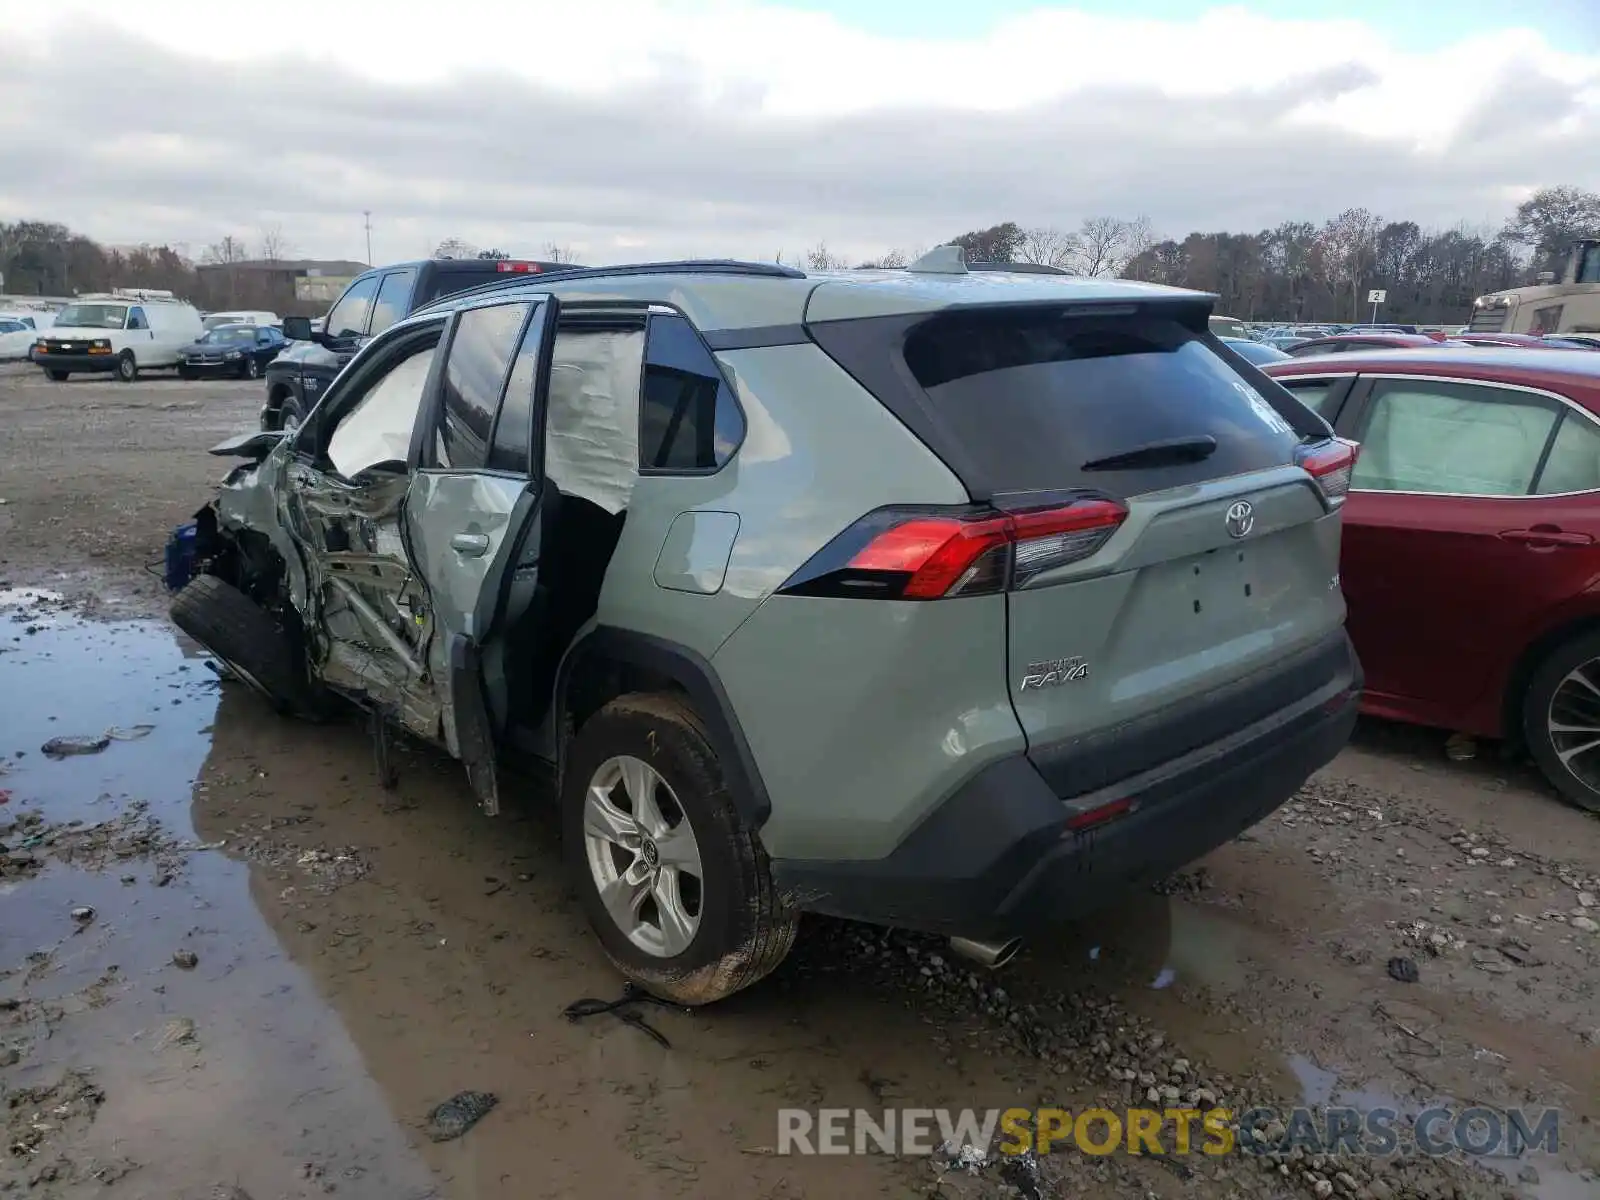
(227, 1071)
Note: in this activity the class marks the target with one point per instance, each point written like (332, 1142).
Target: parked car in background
(123, 332)
(19, 331)
(1472, 542)
(1228, 327)
(243, 317)
(1573, 341)
(1525, 341)
(1283, 341)
(1343, 343)
(373, 302)
(1254, 351)
(1106, 557)
(242, 350)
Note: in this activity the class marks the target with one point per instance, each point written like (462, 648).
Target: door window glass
(513, 432)
(481, 349)
(1451, 438)
(394, 298)
(349, 317)
(136, 319)
(688, 418)
(1574, 462)
(1546, 320)
(379, 428)
(1313, 393)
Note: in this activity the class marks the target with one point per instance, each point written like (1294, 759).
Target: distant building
(291, 287)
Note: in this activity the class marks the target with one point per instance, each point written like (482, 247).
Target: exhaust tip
(992, 955)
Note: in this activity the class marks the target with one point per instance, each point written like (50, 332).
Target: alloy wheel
(643, 856)
(1573, 722)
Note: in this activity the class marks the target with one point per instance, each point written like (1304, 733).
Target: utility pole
(367, 214)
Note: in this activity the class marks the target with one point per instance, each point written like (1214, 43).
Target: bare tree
(1141, 235)
(455, 248)
(893, 260)
(1102, 246)
(820, 258)
(228, 251)
(557, 253)
(1049, 247)
(274, 245)
(1349, 245)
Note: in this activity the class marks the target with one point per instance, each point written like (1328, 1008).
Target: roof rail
(688, 266)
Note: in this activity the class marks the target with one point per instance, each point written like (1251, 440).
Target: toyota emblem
(1241, 518)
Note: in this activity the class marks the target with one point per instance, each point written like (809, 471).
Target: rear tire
(1564, 690)
(245, 637)
(741, 928)
(127, 367)
(58, 376)
(290, 414)
(250, 368)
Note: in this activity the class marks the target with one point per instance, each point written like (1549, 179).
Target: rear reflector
(1331, 464)
(1099, 815)
(928, 554)
(520, 268)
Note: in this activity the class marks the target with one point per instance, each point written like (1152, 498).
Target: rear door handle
(1547, 535)
(470, 545)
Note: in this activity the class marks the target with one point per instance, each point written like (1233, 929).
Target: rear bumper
(75, 362)
(995, 859)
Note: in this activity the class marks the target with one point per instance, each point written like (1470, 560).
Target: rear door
(470, 516)
(1224, 567)
(1451, 555)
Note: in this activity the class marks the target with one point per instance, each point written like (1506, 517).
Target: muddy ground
(231, 965)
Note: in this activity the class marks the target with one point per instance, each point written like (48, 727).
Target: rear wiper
(1170, 452)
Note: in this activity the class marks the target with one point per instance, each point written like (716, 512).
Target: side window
(394, 297)
(484, 342)
(349, 316)
(1313, 393)
(1574, 462)
(378, 429)
(513, 432)
(136, 319)
(688, 418)
(1308, 349)
(1451, 439)
(1547, 320)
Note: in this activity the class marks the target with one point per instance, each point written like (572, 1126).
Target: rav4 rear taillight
(1330, 463)
(933, 553)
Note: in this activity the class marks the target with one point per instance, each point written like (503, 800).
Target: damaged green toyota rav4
(956, 602)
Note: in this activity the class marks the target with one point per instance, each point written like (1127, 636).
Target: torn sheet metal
(592, 427)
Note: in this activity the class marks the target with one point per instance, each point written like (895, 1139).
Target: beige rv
(1569, 306)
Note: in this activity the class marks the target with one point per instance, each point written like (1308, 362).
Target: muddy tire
(127, 367)
(59, 376)
(1561, 712)
(290, 414)
(729, 926)
(246, 638)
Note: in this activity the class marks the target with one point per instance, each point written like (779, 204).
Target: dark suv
(372, 303)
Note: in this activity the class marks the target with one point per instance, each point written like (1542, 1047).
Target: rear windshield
(448, 283)
(1038, 400)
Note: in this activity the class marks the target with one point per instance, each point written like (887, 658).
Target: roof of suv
(734, 295)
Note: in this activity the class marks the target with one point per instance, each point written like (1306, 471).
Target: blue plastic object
(180, 557)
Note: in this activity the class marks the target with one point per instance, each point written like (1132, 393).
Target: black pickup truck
(373, 302)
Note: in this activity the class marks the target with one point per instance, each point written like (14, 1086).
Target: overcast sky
(629, 129)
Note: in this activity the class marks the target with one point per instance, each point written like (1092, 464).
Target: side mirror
(298, 329)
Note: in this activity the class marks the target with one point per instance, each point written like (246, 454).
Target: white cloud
(663, 127)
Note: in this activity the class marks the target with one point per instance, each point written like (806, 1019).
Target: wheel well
(608, 662)
(598, 677)
(1528, 663)
(277, 394)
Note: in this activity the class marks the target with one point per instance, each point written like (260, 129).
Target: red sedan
(1344, 343)
(1471, 556)
(1524, 340)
